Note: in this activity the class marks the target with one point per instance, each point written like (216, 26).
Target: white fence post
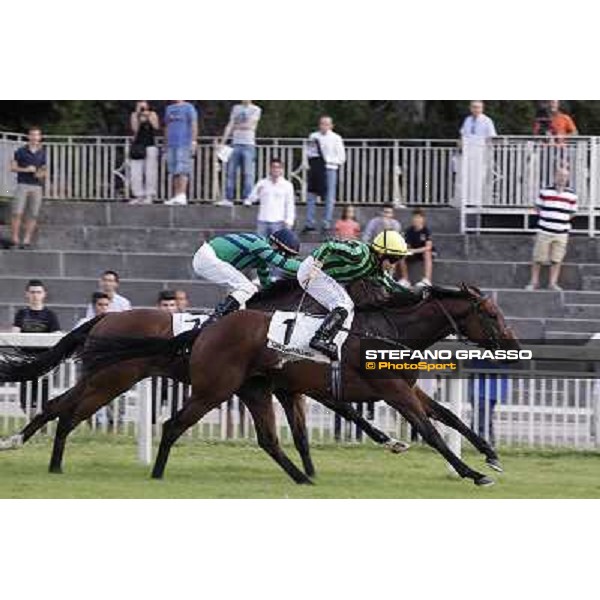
(455, 404)
(144, 415)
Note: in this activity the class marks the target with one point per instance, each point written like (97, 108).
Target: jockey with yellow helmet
(340, 262)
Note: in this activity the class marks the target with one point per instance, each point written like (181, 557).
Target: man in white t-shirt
(328, 144)
(242, 125)
(477, 124)
(275, 195)
(109, 284)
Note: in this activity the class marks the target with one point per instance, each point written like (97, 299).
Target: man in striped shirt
(556, 207)
(223, 259)
(337, 262)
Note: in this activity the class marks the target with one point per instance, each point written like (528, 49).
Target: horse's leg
(379, 437)
(51, 411)
(194, 408)
(294, 406)
(261, 408)
(440, 413)
(399, 395)
(90, 394)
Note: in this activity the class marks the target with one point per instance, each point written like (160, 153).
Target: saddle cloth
(186, 321)
(291, 335)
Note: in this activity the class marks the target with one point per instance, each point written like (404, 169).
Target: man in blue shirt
(29, 163)
(181, 133)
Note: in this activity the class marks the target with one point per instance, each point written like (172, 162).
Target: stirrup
(327, 348)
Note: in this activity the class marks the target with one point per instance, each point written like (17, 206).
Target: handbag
(137, 152)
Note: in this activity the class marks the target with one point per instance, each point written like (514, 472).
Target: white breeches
(209, 266)
(324, 289)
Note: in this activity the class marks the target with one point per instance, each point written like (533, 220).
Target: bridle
(488, 322)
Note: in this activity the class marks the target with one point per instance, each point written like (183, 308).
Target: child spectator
(418, 239)
(347, 228)
(385, 222)
(35, 317)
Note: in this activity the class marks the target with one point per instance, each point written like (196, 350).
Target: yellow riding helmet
(390, 243)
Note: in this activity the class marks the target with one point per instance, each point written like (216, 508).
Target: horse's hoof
(305, 481)
(55, 471)
(12, 442)
(494, 463)
(484, 481)
(396, 446)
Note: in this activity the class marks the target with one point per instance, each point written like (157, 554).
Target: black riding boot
(229, 305)
(330, 327)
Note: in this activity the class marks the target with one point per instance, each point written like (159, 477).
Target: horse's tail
(16, 365)
(102, 352)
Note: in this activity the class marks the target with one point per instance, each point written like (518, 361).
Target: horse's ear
(464, 287)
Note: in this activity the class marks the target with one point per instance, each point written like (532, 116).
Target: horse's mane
(367, 294)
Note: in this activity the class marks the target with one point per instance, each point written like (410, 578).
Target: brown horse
(236, 350)
(99, 387)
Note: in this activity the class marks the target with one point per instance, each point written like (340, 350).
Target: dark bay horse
(235, 349)
(98, 387)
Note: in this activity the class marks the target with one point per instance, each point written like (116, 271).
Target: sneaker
(530, 287)
(423, 283)
(248, 202)
(224, 202)
(405, 283)
(178, 200)
(308, 229)
(555, 288)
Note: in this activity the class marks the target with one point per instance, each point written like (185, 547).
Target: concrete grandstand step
(519, 303)
(590, 283)
(582, 311)
(581, 297)
(139, 292)
(568, 335)
(56, 212)
(582, 326)
(519, 246)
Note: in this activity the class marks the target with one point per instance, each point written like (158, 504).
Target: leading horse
(236, 350)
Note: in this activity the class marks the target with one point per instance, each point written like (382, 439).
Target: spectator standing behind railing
(35, 317)
(552, 121)
(166, 301)
(243, 122)
(329, 146)
(347, 228)
(385, 222)
(181, 135)
(556, 206)
(181, 299)
(143, 153)
(275, 195)
(475, 135)
(29, 163)
(109, 284)
(101, 304)
(485, 390)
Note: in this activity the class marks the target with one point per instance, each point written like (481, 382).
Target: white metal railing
(376, 171)
(558, 411)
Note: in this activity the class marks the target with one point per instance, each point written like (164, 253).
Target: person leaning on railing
(143, 153)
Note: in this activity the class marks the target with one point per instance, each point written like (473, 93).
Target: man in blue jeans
(485, 391)
(242, 125)
(181, 134)
(330, 146)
